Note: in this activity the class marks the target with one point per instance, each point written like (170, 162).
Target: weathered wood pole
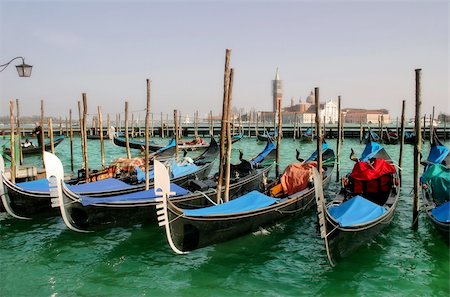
(80, 116)
(85, 109)
(280, 133)
(417, 151)
(50, 134)
(431, 126)
(13, 142)
(402, 139)
(176, 135)
(147, 150)
(445, 127)
(319, 134)
(18, 132)
(102, 144)
(223, 126)
(382, 129)
(226, 197)
(338, 141)
(42, 132)
(211, 129)
(127, 141)
(71, 140)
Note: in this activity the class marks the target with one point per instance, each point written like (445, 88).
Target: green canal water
(43, 258)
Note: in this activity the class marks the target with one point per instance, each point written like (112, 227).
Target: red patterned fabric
(371, 170)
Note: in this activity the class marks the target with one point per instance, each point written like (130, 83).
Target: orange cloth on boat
(296, 177)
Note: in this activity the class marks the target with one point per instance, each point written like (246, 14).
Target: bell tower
(277, 90)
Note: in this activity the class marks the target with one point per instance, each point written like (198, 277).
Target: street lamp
(24, 70)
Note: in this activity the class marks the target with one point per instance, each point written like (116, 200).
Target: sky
(365, 52)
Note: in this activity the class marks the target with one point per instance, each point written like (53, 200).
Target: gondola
(435, 184)
(267, 136)
(410, 137)
(84, 213)
(190, 229)
(137, 144)
(365, 205)
(390, 137)
(307, 136)
(33, 150)
(31, 199)
(370, 136)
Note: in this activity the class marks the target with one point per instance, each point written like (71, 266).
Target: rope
(206, 196)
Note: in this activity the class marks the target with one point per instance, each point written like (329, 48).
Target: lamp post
(24, 70)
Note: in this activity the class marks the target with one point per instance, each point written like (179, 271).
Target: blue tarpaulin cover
(181, 170)
(39, 185)
(142, 196)
(437, 176)
(437, 154)
(258, 159)
(371, 149)
(356, 211)
(442, 212)
(107, 184)
(248, 202)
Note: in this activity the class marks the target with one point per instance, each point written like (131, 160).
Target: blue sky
(364, 51)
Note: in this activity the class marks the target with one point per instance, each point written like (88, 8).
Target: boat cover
(296, 177)
(356, 211)
(258, 159)
(437, 176)
(178, 170)
(366, 171)
(442, 212)
(437, 154)
(371, 149)
(107, 184)
(248, 202)
(141, 196)
(39, 185)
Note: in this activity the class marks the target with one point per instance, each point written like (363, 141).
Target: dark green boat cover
(437, 176)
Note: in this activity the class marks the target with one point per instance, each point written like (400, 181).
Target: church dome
(310, 99)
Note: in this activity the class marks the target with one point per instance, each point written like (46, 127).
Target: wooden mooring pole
(319, 134)
(176, 134)
(147, 157)
(338, 141)
(86, 160)
(225, 120)
(226, 196)
(41, 136)
(402, 140)
(13, 142)
(417, 151)
(50, 135)
(71, 140)
(280, 133)
(18, 132)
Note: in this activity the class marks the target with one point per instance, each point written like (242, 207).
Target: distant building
(371, 116)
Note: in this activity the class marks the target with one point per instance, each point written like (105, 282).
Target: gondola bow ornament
(162, 188)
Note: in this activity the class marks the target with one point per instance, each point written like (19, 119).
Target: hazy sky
(364, 51)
